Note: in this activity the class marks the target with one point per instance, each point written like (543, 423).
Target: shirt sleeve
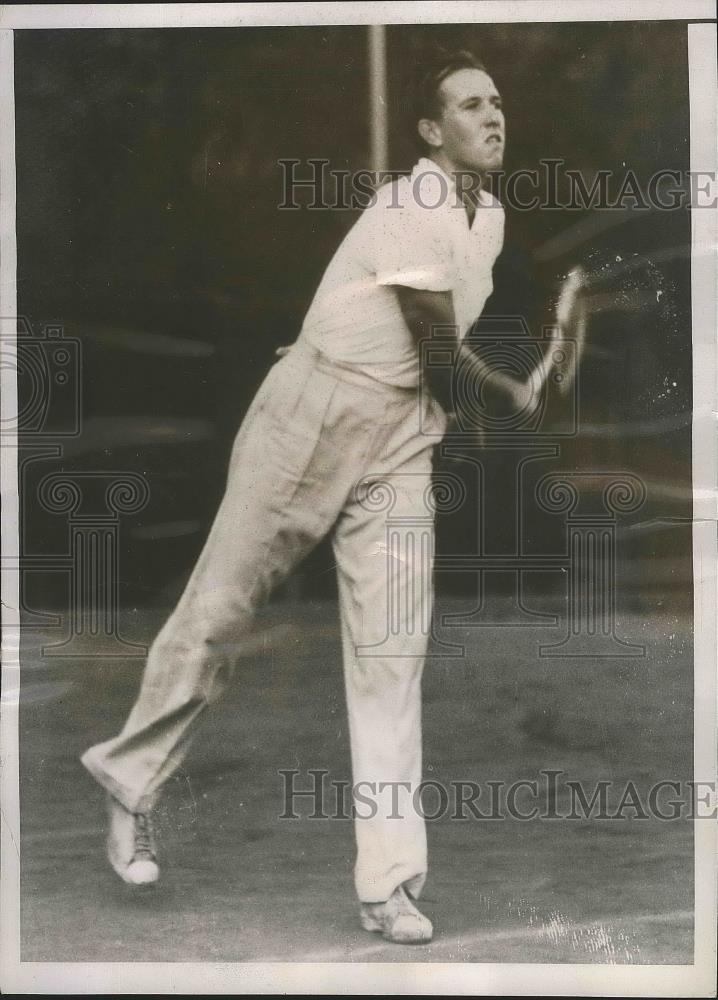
(411, 247)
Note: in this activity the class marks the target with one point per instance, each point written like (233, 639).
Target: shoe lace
(143, 837)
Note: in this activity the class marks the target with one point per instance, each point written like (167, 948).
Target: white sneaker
(131, 845)
(397, 919)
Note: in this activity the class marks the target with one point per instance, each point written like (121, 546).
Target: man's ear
(430, 132)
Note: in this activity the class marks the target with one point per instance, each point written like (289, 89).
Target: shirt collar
(437, 185)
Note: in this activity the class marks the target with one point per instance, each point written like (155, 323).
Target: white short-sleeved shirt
(415, 234)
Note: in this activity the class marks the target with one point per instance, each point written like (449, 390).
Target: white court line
(464, 941)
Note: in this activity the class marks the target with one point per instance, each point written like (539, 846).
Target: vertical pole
(378, 133)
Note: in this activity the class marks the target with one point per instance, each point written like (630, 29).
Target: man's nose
(494, 118)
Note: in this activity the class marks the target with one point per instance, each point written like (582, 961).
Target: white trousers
(321, 449)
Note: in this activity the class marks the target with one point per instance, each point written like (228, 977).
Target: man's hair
(432, 69)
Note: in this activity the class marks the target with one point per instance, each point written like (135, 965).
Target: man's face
(471, 126)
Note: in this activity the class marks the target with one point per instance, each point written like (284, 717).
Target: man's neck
(467, 182)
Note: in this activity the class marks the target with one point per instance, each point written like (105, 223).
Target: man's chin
(485, 164)
(494, 162)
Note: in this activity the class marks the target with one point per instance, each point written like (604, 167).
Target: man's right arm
(423, 312)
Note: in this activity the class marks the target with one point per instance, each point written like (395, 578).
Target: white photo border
(374, 978)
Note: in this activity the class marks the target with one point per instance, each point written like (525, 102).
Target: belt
(343, 372)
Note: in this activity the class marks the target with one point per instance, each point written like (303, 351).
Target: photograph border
(404, 977)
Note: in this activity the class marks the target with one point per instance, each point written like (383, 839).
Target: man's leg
(288, 480)
(384, 549)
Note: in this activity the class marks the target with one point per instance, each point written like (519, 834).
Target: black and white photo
(359, 498)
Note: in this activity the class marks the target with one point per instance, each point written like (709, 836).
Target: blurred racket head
(628, 284)
(611, 290)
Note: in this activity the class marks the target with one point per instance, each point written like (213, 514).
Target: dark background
(148, 227)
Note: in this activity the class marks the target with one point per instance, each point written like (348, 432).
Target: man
(339, 438)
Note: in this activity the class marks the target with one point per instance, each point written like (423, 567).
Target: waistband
(302, 350)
